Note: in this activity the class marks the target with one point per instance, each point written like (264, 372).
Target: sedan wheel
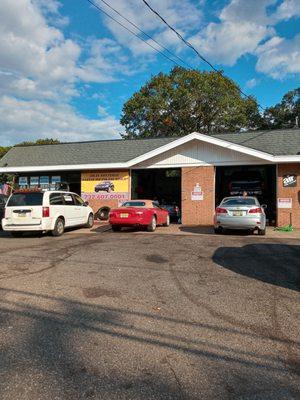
(167, 223)
(152, 226)
(262, 232)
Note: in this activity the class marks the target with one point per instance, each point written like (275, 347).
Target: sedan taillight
(220, 210)
(257, 210)
(46, 212)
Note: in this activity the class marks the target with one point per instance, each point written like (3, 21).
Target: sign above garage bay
(289, 180)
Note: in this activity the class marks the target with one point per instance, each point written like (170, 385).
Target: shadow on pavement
(49, 344)
(209, 230)
(277, 264)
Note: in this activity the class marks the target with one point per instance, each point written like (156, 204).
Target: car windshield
(25, 199)
(242, 201)
(134, 204)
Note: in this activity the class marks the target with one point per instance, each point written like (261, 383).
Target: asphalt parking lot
(140, 316)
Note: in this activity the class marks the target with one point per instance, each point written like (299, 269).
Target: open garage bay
(141, 316)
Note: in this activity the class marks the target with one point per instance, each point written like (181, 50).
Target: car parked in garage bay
(139, 213)
(243, 213)
(174, 211)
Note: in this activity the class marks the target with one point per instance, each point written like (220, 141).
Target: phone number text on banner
(105, 196)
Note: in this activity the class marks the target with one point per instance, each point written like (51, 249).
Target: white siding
(199, 153)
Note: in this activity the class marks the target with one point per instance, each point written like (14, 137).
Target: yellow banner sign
(105, 185)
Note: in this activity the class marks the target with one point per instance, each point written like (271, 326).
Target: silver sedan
(240, 213)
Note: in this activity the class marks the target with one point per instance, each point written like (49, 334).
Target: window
(134, 204)
(68, 199)
(3, 200)
(78, 200)
(26, 199)
(243, 201)
(56, 199)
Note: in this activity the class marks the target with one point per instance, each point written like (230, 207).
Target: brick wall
(198, 212)
(283, 215)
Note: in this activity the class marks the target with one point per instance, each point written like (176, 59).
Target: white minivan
(28, 211)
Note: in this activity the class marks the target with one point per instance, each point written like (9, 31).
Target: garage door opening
(163, 185)
(258, 180)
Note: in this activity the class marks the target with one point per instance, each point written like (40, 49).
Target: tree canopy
(39, 142)
(283, 114)
(185, 101)
(4, 150)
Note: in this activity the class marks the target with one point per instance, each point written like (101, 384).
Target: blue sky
(66, 69)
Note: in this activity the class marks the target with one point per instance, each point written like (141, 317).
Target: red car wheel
(152, 226)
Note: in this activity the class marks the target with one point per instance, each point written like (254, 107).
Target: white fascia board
(203, 164)
(81, 167)
(204, 138)
(286, 159)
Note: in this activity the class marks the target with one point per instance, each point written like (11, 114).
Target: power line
(188, 44)
(133, 33)
(147, 35)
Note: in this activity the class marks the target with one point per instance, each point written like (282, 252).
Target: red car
(143, 213)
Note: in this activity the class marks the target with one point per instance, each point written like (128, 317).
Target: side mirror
(85, 204)
(264, 206)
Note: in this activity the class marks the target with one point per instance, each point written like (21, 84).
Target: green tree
(39, 142)
(283, 114)
(3, 151)
(185, 101)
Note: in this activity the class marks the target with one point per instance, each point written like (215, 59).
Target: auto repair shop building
(194, 172)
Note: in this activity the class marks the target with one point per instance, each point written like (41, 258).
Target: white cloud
(251, 83)
(279, 57)
(28, 120)
(184, 15)
(225, 43)
(287, 10)
(242, 26)
(102, 111)
(39, 73)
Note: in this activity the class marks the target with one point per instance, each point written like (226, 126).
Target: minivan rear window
(25, 199)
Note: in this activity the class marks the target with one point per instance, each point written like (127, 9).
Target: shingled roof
(276, 143)
(96, 152)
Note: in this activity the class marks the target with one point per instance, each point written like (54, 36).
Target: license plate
(237, 213)
(22, 215)
(123, 215)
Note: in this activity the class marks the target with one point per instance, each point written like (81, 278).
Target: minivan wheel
(152, 226)
(261, 232)
(90, 221)
(59, 227)
(16, 234)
